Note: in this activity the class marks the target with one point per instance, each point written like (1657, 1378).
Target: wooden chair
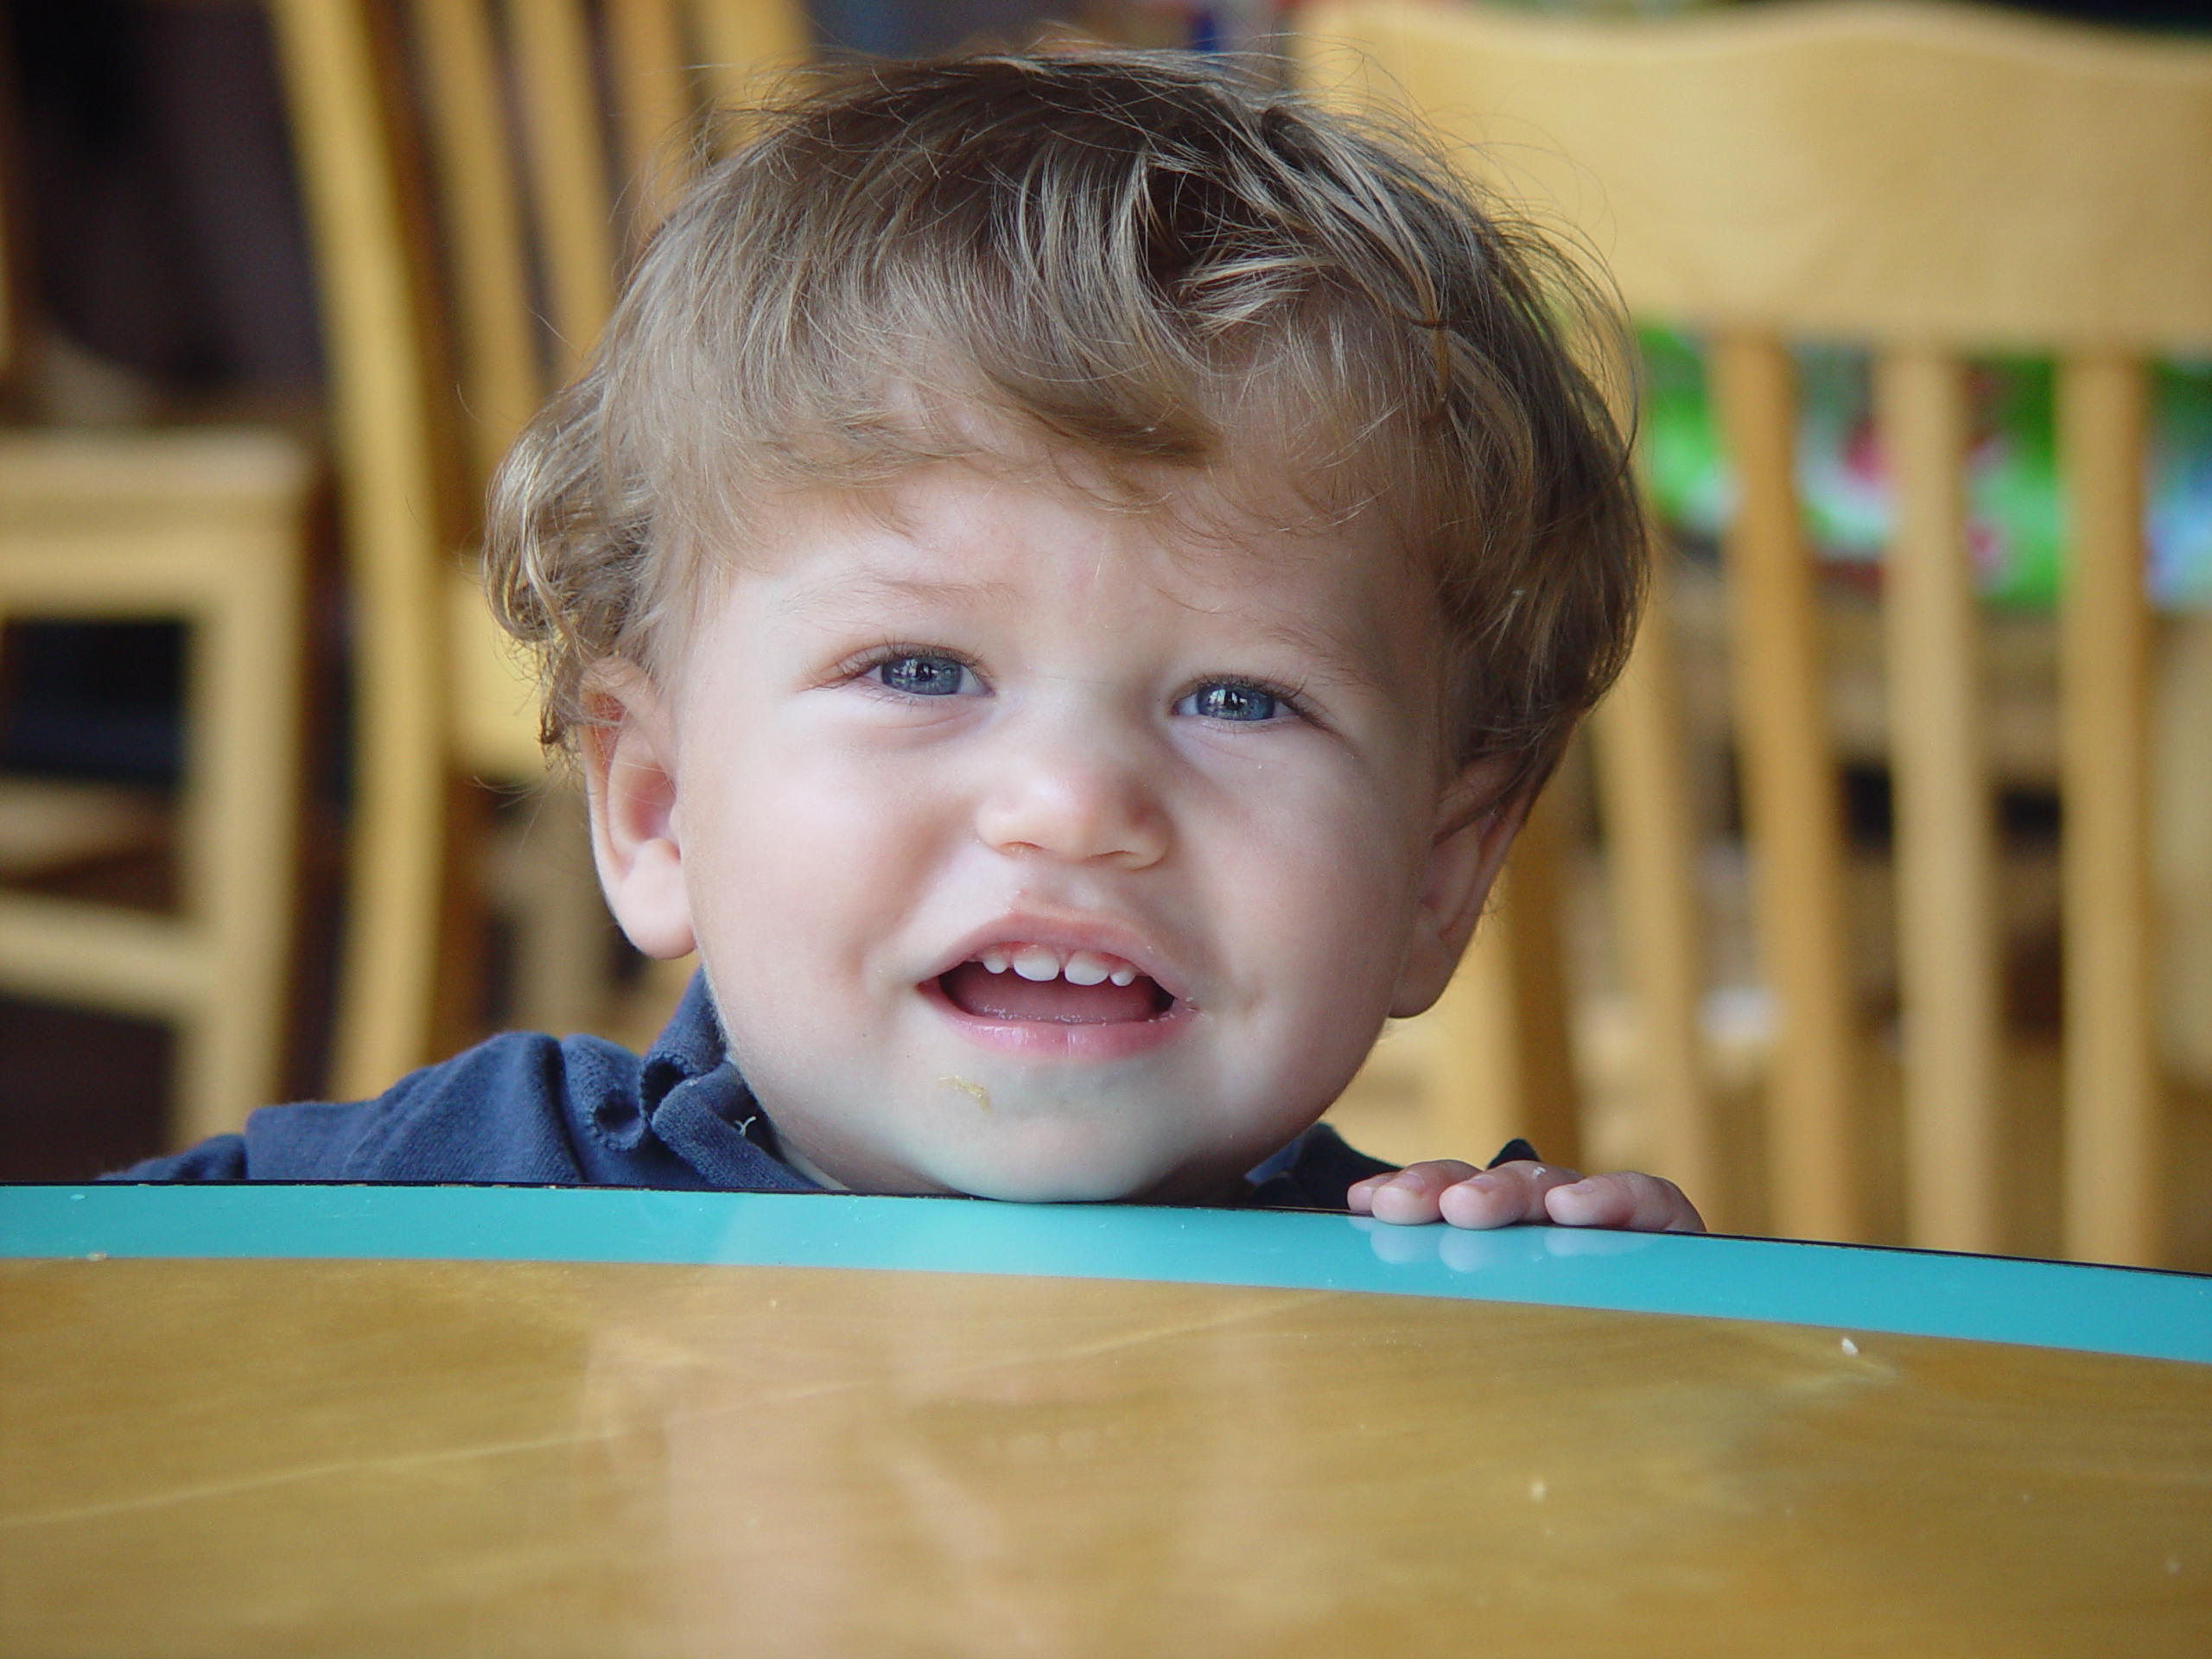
(525, 246)
(208, 527)
(1927, 180)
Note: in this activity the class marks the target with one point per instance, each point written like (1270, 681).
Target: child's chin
(1072, 1178)
(1049, 1188)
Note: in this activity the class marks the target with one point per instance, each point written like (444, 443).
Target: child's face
(1036, 849)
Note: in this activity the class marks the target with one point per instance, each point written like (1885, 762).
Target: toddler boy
(1062, 577)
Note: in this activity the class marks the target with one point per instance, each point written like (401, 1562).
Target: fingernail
(1482, 1183)
(1584, 1186)
(1407, 1180)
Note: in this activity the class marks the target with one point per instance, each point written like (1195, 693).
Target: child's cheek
(1325, 921)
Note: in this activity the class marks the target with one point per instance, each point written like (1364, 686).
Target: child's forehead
(1270, 492)
(976, 527)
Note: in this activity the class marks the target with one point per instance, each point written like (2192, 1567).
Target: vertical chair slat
(1501, 1064)
(1471, 1093)
(496, 339)
(1791, 797)
(2115, 1207)
(1650, 854)
(388, 486)
(1946, 852)
(244, 750)
(1533, 899)
(566, 171)
(652, 103)
(745, 40)
(561, 927)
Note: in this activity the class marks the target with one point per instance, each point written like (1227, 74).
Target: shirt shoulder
(500, 1112)
(523, 1108)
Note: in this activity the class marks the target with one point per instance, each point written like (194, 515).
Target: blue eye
(1225, 700)
(923, 677)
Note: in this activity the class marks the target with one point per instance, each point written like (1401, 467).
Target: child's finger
(1502, 1195)
(1409, 1198)
(1641, 1204)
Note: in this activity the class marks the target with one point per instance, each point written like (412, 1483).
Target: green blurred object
(2015, 513)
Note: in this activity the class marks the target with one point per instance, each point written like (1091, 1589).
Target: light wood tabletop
(292, 1456)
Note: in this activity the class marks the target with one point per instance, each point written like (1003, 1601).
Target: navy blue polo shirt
(529, 1109)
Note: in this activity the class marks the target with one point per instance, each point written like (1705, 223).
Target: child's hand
(1506, 1193)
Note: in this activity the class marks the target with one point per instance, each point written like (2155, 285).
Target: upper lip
(1065, 933)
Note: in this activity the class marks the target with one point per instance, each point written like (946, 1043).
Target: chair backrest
(557, 131)
(1927, 180)
(474, 173)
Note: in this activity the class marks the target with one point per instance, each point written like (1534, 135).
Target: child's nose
(1080, 804)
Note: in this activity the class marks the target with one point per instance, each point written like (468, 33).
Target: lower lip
(1050, 1040)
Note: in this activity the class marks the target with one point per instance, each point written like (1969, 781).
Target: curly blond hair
(1127, 256)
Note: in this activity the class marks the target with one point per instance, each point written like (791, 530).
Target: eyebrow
(1343, 658)
(872, 585)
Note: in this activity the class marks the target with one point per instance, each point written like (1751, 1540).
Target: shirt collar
(690, 1045)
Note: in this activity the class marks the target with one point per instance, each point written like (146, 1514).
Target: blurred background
(187, 372)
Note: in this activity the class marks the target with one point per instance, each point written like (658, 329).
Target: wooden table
(308, 1421)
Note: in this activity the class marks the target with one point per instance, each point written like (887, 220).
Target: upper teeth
(1044, 961)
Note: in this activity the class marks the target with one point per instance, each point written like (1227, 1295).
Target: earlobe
(1464, 863)
(628, 756)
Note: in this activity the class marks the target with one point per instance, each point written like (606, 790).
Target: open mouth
(1048, 985)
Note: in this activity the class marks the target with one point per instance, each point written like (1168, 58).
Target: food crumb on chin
(975, 1091)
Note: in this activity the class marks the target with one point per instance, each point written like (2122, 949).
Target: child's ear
(1464, 862)
(628, 753)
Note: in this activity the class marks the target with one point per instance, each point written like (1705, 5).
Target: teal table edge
(1849, 1289)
